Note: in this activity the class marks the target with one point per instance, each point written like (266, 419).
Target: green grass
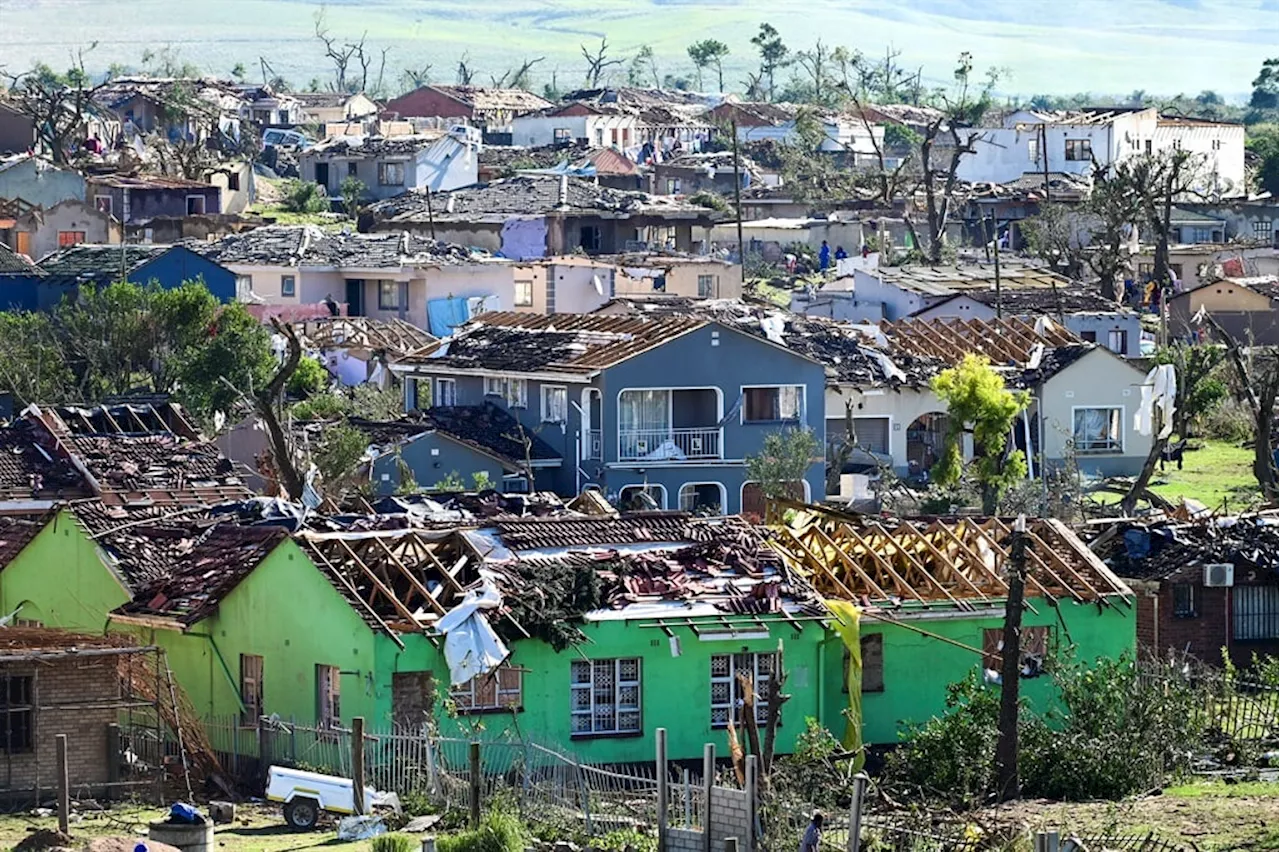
(1217, 789)
(1217, 472)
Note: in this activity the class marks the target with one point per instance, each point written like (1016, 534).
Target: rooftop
(144, 182)
(637, 528)
(12, 263)
(1165, 548)
(484, 98)
(98, 264)
(373, 146)
(1041, 348)
(16, 532)
(307, 245)
(393, 336)
(945, 280)
(1037, 300)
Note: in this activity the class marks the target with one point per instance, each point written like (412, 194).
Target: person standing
(812, 839)
(824, 256)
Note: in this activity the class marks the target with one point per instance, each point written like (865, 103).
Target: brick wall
(729, 817)
(684, 840)
(1202, 635)
(71, 681)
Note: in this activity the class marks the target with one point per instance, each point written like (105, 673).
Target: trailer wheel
(302, 814)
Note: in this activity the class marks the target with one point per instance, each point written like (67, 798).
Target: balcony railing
(669, 444)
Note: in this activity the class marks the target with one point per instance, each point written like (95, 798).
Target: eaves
(424, 367)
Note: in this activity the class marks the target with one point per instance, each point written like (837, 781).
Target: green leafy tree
(309, 379)
(340, 456)
(978, 403)
(352, 191)
(1263, 145)
(783, 461)
(33, 365)
(708, 53)
(643, 70)
(773, 54)
(304, 197)
(1266, 86)
(235, 360)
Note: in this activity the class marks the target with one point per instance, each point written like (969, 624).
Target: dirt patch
(127, 844)
(45, 838)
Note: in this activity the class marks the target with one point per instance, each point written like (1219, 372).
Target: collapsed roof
(392, 336)
(309, 246)
(1167, 548)
(97, 264)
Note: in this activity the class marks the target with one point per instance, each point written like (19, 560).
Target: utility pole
(737, 194)
(1044, 156)
(995, 250)
(1007, 786)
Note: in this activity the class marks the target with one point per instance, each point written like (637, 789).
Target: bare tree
(1256, 382)
(57, 104)
(643, 68)
(347, 56)
(516, 78)
(415, 78)
(890, 184)
(465, 72)
(597, 63)
(817, 63)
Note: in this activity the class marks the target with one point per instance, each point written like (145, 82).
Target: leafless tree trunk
(266, 402)
(1007, 784)
(1258, 388)
(597, 63)
(465, 72)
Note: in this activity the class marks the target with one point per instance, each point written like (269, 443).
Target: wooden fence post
(708, 781)
(855, 811)
(660, 740)
(64, 784)
(752, 772)
(474, 759)
(357, 764)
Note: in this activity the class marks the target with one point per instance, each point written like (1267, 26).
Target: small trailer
(305, 794)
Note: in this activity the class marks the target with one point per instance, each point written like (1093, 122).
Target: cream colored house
(576, 284)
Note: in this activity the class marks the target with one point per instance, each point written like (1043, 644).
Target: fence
(1228, 704)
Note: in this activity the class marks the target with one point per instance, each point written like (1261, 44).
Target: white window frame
(465, 700)
(389, 304)
(495, 386)
(100, 207)
(582, 697)
(1085, 147)
(291, 290)
(1119, 336)
(203, 204)
(517, 394)
(549, 412)
(799, 419)
(386, 177)
(1033, 149)
(645, 486)
(445, 388)
(523, 297)
(730, 706)
(1092, 452)
(724, 496)
(711, 288)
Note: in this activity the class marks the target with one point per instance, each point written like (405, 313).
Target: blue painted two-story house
(63, 273)
(669, 407)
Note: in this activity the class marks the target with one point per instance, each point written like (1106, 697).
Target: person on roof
(824, 256)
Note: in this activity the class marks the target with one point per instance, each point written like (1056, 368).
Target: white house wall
(1098, 379)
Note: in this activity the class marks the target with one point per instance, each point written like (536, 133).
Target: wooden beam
(379, 585)
(847, 530)
(928, 575)
(819, 565)
(949, 561)
(408, 575)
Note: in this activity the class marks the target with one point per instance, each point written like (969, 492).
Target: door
(24, 243)
(322, 175)
(355, 297)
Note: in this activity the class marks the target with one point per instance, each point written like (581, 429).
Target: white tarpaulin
(1159, 391)
(471, 647)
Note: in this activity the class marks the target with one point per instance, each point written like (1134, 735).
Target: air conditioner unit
(1219, 574)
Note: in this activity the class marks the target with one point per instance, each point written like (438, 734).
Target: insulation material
(524, 239)
(471, 648)
(846, 625)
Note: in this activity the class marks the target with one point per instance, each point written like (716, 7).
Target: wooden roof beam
(885, 564)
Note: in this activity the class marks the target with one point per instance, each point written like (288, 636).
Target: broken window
(706, 286)
(1033, 645)
(446, 392)
(391, 174)
(103, 203)
(1098, 430)
(16, 707)
(524, 294)
(604, 696)
(500, 689)
(517, 393)
(70, 238)
(1079, 150)
(195, 205)
(389, 295)
(328, 708)
(772, 404)
(727, 695)
(1089, 336)
(705, 497)
(413, 697)
(251, 689)
(1184, 600)
(353, 169)
(288, 285)
(1254, 613)
(871, 647)
(642, 498)
(555, 403)
(589, 238)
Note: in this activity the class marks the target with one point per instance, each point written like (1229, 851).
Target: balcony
(669, 444)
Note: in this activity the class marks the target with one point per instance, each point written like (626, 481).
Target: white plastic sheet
(360, 827)
(471, 647)
(1159, 390)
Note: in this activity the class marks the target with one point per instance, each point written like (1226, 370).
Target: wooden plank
(379, 585)
(845, 529)
(950, 562)
(408, 574)
(819, 564)
(919, 566)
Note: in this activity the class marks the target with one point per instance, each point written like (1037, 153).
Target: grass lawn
(1219, 471)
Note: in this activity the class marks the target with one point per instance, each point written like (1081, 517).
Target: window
(704, 497)
(555, 404)
(707, 286)
(1118, 341)
(613, 138)
(771, 404)
(233, 181)
(1262, 231)
(288, 285)
(500, 689)
(70, 238)
(515, 392)
(1098, 430)
(353, 169)
(673, 186)
(244, 286)
(524, 294)
(599, 137)
(1216, 144)
(726, 688)
(561, 136)
(1033, 645)
(103, 204)
(1146, 146)
(1089, 336)
(446, 392)
(251, 689)
(389, 295)
(195, 205)
(391, 174)
(604, 696)
(494, 386)
(869, 433)
(871, 647)
(328, 709)
(642, 498)
(1184, 600)
(1033, 150)
(1201, 235)
(1254, 612)
(1079, 150)
(16, 707)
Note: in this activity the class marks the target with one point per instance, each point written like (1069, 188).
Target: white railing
(669, 444)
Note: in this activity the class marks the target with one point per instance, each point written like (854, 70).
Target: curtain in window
(644, 410)
(1096, 428)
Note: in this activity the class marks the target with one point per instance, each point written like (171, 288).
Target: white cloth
(1159, 390)
(471, 648)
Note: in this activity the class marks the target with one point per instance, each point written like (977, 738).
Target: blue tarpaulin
(445, 315)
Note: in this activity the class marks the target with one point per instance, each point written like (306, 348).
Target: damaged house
(931, 593)
(389, 165)
(535, 216)
(490, 109)
(652, 410)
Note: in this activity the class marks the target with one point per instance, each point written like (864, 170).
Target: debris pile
(1165, 547)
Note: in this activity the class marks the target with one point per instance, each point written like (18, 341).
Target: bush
(1229, 421)
(393, 843)
(498, 832)
(310, 378)
(324, 406)
(622, 839)
(303, 197)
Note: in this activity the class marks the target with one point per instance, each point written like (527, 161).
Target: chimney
(564, 190)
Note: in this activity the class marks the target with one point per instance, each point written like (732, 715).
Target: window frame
(1112, 450)
(383, 303)
(589, 687)
(204, 204)
(711, 289)
(437, 400)
(517, 395)
(522, 296)
(863, 641)
(76, 238)
(328, 696)
(384, 173)
(104, 208)
(1188, 608)
(289, 286)
(495, 677)
(544, 393)
(20, 709)
(251, 691)
(1041, 634)
(731, 680)
(645, 486)
(1077, 150)
(800, 405)
(1123, 340)
(1033, 149)
(1259, 625)
(724, 495)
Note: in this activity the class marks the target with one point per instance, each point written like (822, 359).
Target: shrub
(310, 378)
(499, 831)
(303, 197)
(622, 839)
(1229, 421)
(325, 406)
(393, 843)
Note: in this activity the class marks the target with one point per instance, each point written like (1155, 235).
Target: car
(280, 138)
(305, 795)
